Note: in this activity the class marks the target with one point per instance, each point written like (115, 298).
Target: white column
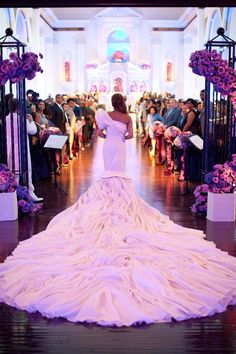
(80, 62)
(200, 28)
(156, 64)
(35, 83)
(189, 79)
(48, 66)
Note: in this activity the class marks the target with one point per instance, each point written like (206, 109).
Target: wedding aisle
(22, 332)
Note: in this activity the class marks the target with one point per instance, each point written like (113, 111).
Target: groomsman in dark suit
(58, 117)
(173, 115)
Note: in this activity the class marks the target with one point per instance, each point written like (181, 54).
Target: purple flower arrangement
(145, 66)
(182, 140)
(8, 184)
(221, 180)
(17, 68)
(44, 134)
(171, 133)
(216, 70)
(7, 180)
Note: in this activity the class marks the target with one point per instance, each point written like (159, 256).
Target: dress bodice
(114, 146)
(114, 129)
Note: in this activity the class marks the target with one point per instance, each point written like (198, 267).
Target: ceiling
(150, 13)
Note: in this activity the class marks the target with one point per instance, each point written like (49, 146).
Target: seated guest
(40, 116)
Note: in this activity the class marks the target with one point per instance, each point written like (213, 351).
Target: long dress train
(112, 259)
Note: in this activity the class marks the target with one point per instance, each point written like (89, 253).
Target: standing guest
(89, 116)
(70, 120)
(151, 118)
(201, 110)
(143, 108)
(29, 100)
(31, 130)
(190, 121)
(75, 107)
(58, 120)
(165, 107)
(173, 115)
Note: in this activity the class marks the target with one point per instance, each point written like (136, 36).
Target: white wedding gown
(112, 259)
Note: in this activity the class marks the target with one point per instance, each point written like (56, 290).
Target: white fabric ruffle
(114, 260)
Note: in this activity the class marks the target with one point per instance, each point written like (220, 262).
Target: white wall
(82, 47)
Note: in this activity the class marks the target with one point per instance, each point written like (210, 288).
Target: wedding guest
(190, 121)
(40, 116)
(31, 130)
(173, 115)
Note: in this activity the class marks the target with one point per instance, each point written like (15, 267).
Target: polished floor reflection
(21, 332)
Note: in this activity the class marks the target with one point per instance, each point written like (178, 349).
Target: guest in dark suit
(173, 115)
(58, 117)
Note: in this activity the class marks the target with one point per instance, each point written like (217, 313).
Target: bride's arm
(101, 134)
(129, 129)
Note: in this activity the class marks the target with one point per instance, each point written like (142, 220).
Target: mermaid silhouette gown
(112, 259)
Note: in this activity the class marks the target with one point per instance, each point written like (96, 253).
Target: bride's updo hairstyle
(118, 103)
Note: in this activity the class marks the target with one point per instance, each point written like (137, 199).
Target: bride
(112, 259)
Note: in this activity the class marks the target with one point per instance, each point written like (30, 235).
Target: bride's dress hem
(113, 260)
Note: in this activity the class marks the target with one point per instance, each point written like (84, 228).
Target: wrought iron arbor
(219, 123)
(18, 132)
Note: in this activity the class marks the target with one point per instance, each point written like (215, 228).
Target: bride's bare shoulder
(120, 117)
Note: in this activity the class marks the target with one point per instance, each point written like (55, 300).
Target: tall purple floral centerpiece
(217, 64)
(221, 180)
(15, 68)
(13, 196)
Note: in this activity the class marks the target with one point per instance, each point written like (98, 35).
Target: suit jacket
(58, 117)
(172, 117)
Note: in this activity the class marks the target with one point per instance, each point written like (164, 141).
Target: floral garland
(44, 134)
(216, 70)
(182, 142)
(170, 134)
(158, 131)
(8, 184)
(17, 68)
(221, 180)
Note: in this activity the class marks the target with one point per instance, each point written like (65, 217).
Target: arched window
(214, 25)
(21, 28)
(118, 46)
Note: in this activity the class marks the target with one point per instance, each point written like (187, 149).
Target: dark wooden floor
(21, 332)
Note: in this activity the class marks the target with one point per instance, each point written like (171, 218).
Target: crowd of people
(153, 117)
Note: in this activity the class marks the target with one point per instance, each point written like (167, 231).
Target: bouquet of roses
(171, 133)
(200, 193)
(158, 129)
(215, 69)
(182, 140)
(17, 68)
(7, 180)
(44, 134)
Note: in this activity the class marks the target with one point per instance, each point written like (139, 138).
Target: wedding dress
(113, 259)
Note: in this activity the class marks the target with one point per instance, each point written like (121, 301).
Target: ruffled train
(114, 260)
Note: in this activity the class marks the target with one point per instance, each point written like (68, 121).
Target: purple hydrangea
(221, 180)
(18, 68)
